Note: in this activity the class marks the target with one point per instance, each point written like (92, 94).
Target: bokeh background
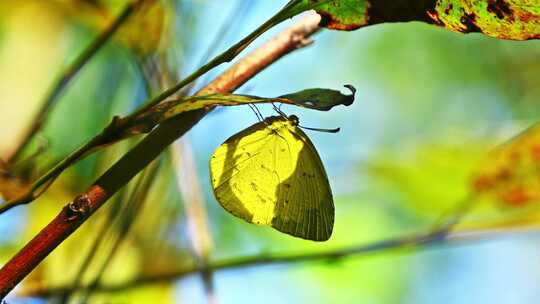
(430, 105)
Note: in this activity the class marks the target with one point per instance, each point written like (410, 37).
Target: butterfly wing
(271, 174)
(243, 178)
(305, 207)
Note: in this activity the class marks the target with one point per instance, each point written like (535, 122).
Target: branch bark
(76, 212)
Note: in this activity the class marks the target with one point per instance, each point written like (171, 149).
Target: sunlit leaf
(316, 99)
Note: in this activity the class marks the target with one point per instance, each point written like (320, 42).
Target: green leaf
(316, 99)
(343, 14)
(336, 14)
(503, 19)
(321, 99)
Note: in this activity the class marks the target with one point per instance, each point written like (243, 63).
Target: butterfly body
(271, 174)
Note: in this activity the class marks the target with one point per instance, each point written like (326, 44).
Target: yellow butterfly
(271, 174)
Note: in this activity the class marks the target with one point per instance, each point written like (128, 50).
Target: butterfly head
(294, 120)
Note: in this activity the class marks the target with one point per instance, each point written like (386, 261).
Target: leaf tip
(349, 101)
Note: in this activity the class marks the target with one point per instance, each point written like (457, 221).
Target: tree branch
(84, 205)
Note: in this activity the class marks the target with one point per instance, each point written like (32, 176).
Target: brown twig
(191, 192)
(418, 241)
(84, 205)
(68, 74)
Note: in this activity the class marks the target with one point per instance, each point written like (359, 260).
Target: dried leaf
(511, 174)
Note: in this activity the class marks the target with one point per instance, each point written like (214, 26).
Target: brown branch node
(78, 209)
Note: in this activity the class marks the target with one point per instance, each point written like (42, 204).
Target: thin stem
(69, 74)
(66, 222)
(420, 241)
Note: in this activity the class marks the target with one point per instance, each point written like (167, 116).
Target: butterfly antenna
(336, 130)
(256, 111)
(278, 110)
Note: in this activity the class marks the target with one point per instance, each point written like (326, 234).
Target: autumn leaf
(503, 19)
(511, 174)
